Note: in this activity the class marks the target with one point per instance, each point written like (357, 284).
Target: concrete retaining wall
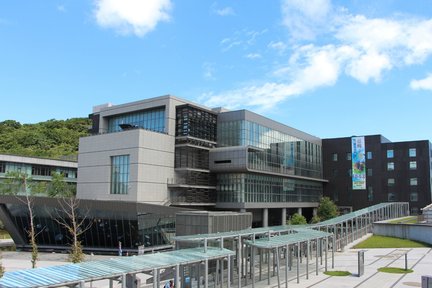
(417, 232)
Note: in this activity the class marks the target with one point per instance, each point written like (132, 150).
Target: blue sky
(329, 68)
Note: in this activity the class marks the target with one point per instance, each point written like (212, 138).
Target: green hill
(53, 138)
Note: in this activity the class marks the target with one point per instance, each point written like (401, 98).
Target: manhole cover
(412, 284)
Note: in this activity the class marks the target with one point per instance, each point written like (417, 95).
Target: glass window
(412, 152)
(369, 155)
(2, 167)
(370, 193)
(348, 156)
(413, 181)
(390, 153)
(414, 210)
(413, 165)
(335, 157)
(369, 172)
(153, 120)
(390, 182)
(350, 172)
(119, 174)
(391, 197)
(390, 166)
(413, 196)
(39, 170)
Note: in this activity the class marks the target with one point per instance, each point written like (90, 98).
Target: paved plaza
(419, 259)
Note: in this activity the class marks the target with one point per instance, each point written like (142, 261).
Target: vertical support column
(265, 217)
(239, 260)
(206, 273)
(82, 284)
(260, 263)
(252, 271)
(217, 273)
(155, 280)
(229, 272)
(316, 256)
(335, 233)
(268, 266)
(321, 248)
(277, 265)
(299, 211)
(177, 276)
(357, 228)
(232, 260)
(286, 265)
(298, 262)
(111, 284)
(346, 233)
(284, 213)
(333, 250)
(307, 258)
(326, 248)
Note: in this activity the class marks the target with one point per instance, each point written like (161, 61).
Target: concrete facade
(151, 165)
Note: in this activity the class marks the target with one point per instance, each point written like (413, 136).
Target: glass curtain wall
(241, 187)
(107, 228)
(152, 119)
(280, 153)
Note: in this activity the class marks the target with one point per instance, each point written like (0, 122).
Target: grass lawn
(405, 220)
(394, 270)
(376, 241)
(337, 273)
(4, 234)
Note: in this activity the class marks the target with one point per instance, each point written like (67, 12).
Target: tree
(68, 214)
(19, 183)
(297, 219)
(327, 209)
(315, 219)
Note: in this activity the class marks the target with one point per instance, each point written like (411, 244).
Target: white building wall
(151, 157)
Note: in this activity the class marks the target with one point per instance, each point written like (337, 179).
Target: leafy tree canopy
(52, 138)
(327, 209)
(297, 219)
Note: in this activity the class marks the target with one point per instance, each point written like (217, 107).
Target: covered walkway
(225, 259)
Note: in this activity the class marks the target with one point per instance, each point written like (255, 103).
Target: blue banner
(358, 163)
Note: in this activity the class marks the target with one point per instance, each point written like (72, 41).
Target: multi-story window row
(37, 170)
(256, 188)
(276, 152)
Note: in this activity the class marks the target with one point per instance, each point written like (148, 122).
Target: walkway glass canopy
(64, 275)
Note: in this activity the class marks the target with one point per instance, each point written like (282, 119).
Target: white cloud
(305, 18)
(363, 48)
(244, 38)
(279, 46)
(208, 71)
(321, 68)
(422, 84)
(226, 11)
(253, 56)
(368, 66)
(132, 16)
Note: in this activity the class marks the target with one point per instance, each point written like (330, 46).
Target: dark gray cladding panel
(232, 159)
